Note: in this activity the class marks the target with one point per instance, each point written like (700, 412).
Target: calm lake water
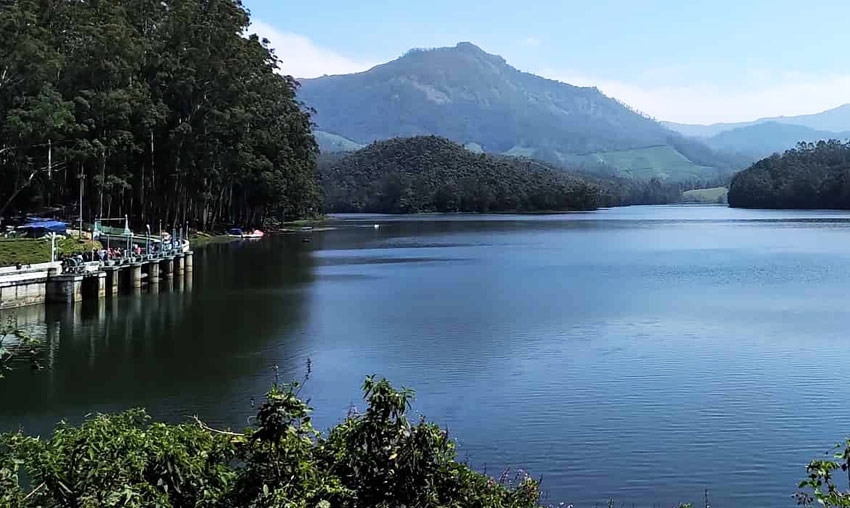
(640, 353)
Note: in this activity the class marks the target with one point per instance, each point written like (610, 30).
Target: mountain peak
(469, 47)
(463, 49)
(465, 94)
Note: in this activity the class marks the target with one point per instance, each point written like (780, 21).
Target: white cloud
(755, 96)
(302, 58)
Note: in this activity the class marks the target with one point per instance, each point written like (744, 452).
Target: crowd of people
(116, 254)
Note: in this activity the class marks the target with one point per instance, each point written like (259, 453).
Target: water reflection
(202, 345)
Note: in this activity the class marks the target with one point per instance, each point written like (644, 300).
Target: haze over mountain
(475, 98)
(835, 120)
(765, 136)
(763, 139)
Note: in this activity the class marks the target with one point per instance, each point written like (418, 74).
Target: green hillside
(432, 174)
(662, 162)
(712, 195)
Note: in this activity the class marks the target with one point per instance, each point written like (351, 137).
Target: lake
(639, 353)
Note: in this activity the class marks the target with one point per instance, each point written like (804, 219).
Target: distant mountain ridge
(467, 95)
(835, 120)
(475, 98)
(763, 139)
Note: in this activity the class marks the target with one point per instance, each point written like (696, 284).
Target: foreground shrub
(821, 486)
(120, 460)
(374, 459)
(389, 462)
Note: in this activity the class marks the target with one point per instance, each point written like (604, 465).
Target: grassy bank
(707, 196)
(27, 251)
(200, 239)
(319, 221)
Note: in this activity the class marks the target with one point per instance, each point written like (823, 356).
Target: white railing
(37, 267)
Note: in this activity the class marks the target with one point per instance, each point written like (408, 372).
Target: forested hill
(469, 96)
(433, 174)
(163, 108)
(428, 174)
(813, 175)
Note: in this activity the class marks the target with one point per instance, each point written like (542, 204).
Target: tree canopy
(812, 175)
(428, 173)
(433, 174)
(164, 109)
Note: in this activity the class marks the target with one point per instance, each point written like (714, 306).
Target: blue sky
(689, 61)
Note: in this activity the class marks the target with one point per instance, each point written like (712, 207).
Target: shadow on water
(204, 346)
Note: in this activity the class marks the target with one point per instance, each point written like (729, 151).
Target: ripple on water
(643, 353)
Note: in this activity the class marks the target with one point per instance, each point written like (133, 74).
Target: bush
(374, 459)
(821, 486)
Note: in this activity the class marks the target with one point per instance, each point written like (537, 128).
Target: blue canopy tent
(36, 228)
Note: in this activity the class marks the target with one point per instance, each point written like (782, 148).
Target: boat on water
(245, 235)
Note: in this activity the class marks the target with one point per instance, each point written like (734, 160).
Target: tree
(168, 111)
